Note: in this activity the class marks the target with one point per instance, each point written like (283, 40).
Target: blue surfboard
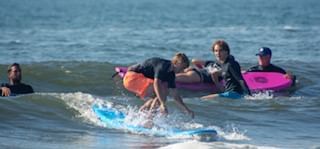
(116, 120)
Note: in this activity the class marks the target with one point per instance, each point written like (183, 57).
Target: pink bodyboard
(259, 81)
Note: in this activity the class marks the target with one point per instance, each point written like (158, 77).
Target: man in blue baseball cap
(264, 51)
(264, 63)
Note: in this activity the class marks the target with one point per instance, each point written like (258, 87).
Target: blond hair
(182, 58)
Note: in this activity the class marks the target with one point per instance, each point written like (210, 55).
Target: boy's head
(221, 50)
(222, 44)
(180, 62)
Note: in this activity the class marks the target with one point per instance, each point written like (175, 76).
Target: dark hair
(222, 44)
(14, 65)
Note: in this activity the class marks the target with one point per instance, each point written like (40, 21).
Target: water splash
(232, 133)
(82, 103)
(261, 95)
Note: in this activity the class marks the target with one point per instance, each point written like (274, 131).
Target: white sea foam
(212, 145)
(290, 28)
(159, 125)
(261, 95)
(82, 104)
(232, 133)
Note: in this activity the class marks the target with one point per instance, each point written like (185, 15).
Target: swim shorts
(137, 83)
(230, 94)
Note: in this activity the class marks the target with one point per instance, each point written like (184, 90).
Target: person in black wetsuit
(154, 78)
(15, 87)
(264, 64)
(230, 71)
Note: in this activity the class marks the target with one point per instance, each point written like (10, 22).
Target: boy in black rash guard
(156, 76)
(235, 86)
(15, 87)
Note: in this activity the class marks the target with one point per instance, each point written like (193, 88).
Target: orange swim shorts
(137, 83)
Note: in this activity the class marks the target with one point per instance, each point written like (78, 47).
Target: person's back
(15, 87)
(155, 67)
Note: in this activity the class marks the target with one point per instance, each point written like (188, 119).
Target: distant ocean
(68, 50)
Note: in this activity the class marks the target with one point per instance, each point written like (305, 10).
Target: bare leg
(146, 105)
(149, 92)
(152, 104)
(155, 104)
(188, 77)
(209, 97)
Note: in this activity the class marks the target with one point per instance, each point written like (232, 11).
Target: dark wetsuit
(231, 74)
(204, 73)
(18, 88)
(156, 68)
(269, 68)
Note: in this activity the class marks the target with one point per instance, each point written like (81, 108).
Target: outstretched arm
(160, 94)
(180, 102)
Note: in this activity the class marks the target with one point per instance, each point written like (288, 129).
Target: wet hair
(181, 57)
(222, 44)
(14, 65)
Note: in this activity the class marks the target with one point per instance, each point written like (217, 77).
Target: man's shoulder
(277, 69)
(25, 87)
(254, 68)
(233, 64)
(154, 61)
(4, 85)
(274, 66)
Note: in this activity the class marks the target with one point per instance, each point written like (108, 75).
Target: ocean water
(68, 50)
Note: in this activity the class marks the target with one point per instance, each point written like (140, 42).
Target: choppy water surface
(68, 50)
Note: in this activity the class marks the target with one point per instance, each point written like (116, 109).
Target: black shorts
(204, 75)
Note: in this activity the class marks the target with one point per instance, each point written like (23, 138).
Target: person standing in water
(15, 86)
(265, 65)
(235, 86)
